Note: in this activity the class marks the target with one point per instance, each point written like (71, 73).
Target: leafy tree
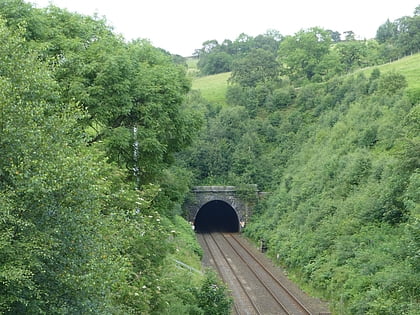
(216, 58)
(300, 55)
(51, 196)
(402, 35)
(259, 66)
(349, 36)
(386, 32)
(343, 184)
(268, 41)
(214, 63)
(242, 44)
(352, 54)
(208, 47)
(391, 83)
(123, 86)
(75, 237)
(335, 36)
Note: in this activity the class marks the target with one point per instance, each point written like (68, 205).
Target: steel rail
(217, 267)
(258, 312)
(262, 282)
(274, 278)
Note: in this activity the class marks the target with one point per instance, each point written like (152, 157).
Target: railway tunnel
(216, 216)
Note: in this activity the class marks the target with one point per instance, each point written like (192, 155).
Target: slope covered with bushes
(337, 148)
(341, 162)
(345, 215)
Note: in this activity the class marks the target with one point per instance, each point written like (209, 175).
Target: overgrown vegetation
(338, 149)
(89, 197)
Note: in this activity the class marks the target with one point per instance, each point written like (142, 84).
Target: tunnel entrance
(216, 216)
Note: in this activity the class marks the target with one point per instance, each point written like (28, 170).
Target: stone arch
(240, 202)
(217, 216)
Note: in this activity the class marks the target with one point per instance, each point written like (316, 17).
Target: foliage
(408, 67)
(338, 213)
(258, 66)
(355, 54)
(51, 190)
(123, 86)
(391, 83)
(214, 63)
(212, 296)
(300, 55)
(218, 58)
(79, 234)
(402, 35)
(90, 195)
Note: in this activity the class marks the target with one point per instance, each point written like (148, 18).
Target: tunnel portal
(216, 216)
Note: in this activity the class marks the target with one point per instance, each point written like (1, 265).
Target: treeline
(400, 37)
(89, 196)
(339, 156)
(331, 52)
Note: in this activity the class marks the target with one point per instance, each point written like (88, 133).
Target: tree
(353, 54)
(242, 44)
(300, 55)
(216, 58)
(51, 225)
(75, 236)
(402, 35)
(269, 41)
(392, 82)
(259, 66)
(335, 36)
(208, 47)
(349, 36)
(123, 86)
(216, 62)
(386, 32)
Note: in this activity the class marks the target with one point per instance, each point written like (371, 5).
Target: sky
(181, 26)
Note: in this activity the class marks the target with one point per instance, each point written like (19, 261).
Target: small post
(263, 246)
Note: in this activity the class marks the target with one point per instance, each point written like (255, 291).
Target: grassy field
(213, 87)
(408, 66)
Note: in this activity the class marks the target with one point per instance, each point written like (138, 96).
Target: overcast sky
(181, 26)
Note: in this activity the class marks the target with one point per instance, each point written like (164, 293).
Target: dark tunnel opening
(216, 216)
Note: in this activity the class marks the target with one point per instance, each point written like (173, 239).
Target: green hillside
(340, 159)
(213, 87)
(409, 67)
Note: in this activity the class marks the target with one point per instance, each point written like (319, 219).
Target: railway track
(243, 302)
(254, 288)
(287, 301)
